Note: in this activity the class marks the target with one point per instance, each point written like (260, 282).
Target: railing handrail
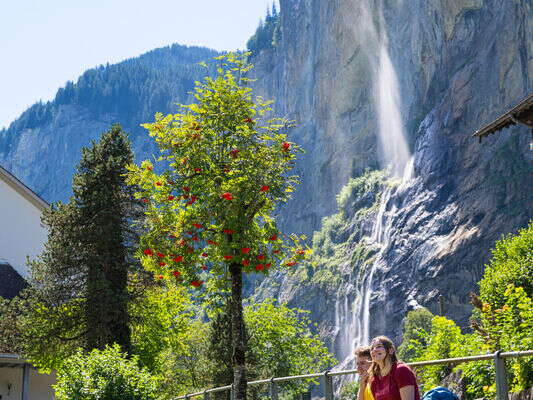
(458, 360)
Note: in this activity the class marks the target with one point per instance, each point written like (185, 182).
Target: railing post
(232, 392)
(206, 395)
(25, 381)
(273, 389)
(502, 390)
(328, 386)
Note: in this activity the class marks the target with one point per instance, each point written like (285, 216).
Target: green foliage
(349, 391)
(359, 188)
(169, 340)
(416, 330)
(511, 262)
(227, 170)
(106, 210)
(104, 375)
(333, 244)
(161, 323)
(186, 371)
(510, 328)
(442, 343)
(503, 320)
(79, 294)
(444, 340)
(219, 351)
(282, 342)
(12, 327)
(268, 33)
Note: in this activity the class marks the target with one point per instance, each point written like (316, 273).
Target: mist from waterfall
(353, 303)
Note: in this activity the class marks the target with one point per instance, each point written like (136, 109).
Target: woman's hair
(387, 344)
(362, 351)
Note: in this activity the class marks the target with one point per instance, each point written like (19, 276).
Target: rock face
(389, 245)
(459, 64)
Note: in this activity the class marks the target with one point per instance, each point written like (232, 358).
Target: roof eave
(510, 118)
(24, 190)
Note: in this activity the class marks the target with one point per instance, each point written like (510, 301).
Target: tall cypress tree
(80, 279)
(104, 204)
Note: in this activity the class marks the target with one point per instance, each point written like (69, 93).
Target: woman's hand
(363, 381)
(363, 377)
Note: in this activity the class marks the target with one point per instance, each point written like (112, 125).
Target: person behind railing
(363, 360)
(389, 378)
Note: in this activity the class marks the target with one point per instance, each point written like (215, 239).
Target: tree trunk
(238, 334)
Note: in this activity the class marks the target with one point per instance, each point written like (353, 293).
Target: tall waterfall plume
(353, 304)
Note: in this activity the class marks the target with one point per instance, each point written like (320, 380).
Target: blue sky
(45, 43)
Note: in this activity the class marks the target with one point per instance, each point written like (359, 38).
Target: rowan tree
(210, 212)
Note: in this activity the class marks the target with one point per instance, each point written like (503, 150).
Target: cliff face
(459, 65)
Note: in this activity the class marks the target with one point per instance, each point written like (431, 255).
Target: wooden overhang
(522, 113)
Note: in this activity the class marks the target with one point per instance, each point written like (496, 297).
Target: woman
(390, 379)
(363, 360)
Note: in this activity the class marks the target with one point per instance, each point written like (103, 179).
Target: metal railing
(502, 390)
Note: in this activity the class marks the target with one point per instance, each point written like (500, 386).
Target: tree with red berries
(225, 168)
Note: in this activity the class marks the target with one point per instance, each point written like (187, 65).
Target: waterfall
(395, 151)
(353, 319)
(352, 305)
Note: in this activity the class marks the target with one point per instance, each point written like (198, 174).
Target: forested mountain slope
(43, 145)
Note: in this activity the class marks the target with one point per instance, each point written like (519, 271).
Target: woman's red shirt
(388, 386)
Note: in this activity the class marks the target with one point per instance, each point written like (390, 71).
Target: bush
(416, 331)
(445, 338)
(349, 391)
(511, 263)
(103, 375)
(282, 342)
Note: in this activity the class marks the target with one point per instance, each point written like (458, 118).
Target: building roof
(522, 113)
(22, 189)
(11, 283)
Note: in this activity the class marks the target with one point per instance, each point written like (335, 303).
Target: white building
(19, 380)
(21, 236)
(21, 233)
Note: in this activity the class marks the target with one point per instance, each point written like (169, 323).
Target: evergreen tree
(220, 351)
(105, 205)
(80, 280)
(268, 33)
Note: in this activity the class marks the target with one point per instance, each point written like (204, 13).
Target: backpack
(440, 393)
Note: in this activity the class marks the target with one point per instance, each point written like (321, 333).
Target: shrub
(103, 375)
(511, 263)
(445, 338)
(416, 331)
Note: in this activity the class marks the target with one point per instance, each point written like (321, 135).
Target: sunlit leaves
(226, 166)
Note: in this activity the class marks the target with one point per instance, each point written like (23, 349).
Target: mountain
(404, 85)
(42, 146)
(402, 204)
